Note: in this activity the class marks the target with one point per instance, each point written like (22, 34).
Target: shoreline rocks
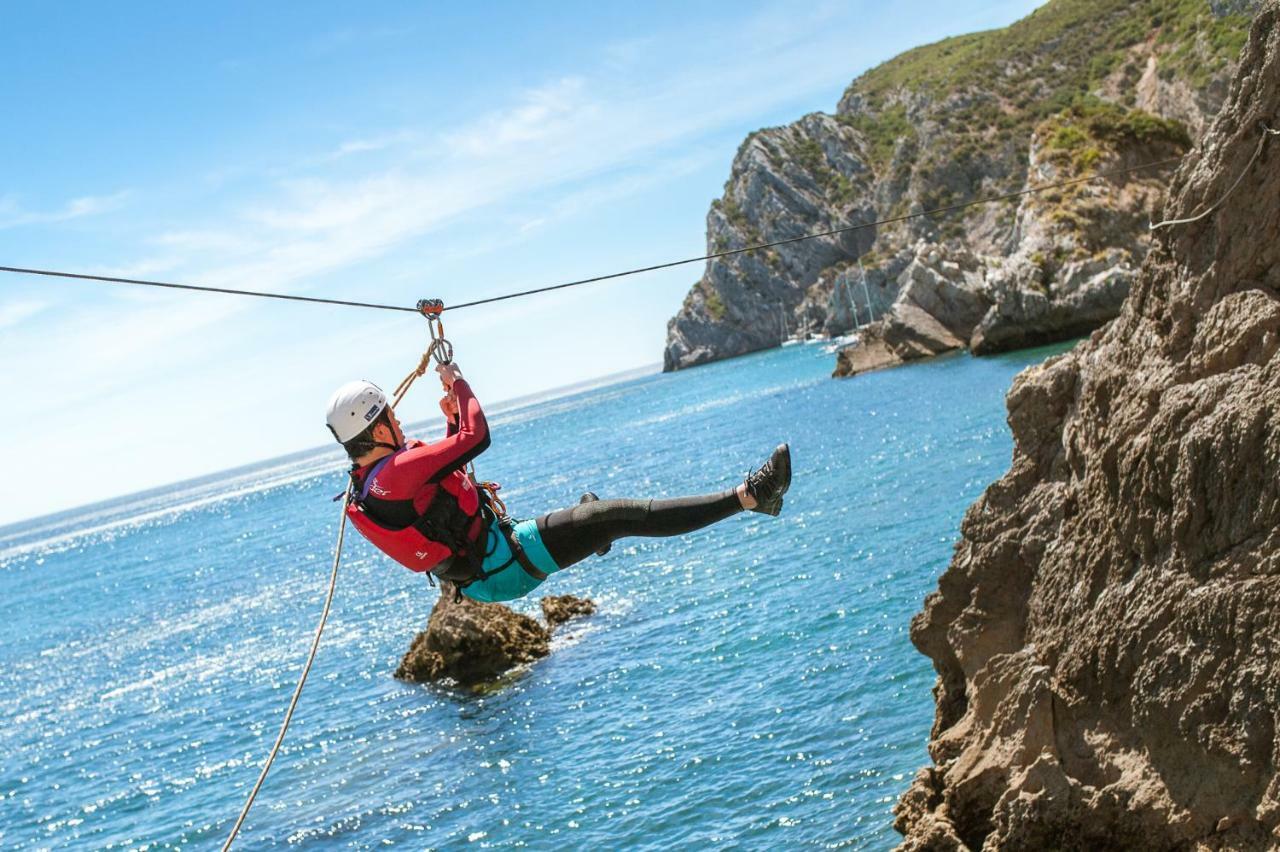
(1107, 635)
(474, 643)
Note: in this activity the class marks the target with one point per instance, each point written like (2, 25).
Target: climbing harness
(443, 540)
(1267, 133)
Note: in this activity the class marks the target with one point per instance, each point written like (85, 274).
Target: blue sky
(376, 152)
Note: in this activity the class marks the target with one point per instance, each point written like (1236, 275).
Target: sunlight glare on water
(750, 685)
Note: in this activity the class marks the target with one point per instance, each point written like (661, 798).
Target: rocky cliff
(1107, 636)
(1079, 87)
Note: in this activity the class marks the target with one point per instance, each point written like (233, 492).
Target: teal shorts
(512, 581)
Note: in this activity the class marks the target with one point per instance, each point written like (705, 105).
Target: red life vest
(447, 539)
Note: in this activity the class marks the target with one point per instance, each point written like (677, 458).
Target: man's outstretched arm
(468, 437)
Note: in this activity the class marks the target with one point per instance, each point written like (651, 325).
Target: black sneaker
(771, 481)
(590, 497)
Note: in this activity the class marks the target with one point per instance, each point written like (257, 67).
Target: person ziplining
(416, 502)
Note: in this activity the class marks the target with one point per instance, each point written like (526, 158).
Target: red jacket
(398, 489)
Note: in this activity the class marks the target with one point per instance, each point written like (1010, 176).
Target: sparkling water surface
(751, 685)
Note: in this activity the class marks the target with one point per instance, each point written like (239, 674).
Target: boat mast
(866, 294)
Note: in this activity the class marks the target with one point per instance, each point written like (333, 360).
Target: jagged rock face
(777, 190)
(473, 643)
(938, 126)
(942, 296)
(1079, 247)
(1107, 636)
(1076, 253)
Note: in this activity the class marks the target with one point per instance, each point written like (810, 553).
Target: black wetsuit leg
(571, 535)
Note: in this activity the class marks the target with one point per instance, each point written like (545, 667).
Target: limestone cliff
(1077, 251)
(1107, 636)
(1078, 87)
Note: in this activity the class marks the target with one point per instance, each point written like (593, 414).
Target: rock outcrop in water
(472, 642)
(1107, 636)
(557, 609)
(1078, 87)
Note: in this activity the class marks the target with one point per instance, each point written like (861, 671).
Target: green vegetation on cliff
(1085, 130)
(979, 97)
(715, 307)
(1039, 65)
(1082, 85)
(883, 131)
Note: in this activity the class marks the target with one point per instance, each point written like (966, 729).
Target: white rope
(1266, 132)
(302, 679)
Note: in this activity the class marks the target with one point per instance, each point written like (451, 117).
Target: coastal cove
(752, 683)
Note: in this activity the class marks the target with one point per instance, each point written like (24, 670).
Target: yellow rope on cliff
(1267, 132)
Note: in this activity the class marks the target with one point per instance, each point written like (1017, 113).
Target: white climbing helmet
(353, 407)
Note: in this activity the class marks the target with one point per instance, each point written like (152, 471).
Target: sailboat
(787, 338)
(841, 342)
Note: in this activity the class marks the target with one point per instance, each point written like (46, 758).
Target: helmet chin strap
(387, 422)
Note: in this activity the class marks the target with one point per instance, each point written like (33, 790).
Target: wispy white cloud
(598, 194)
(354, 148)
(105, 354)
(12, 313)
(556, 134)
(360, 146)
(203, 240)
(620, 128)
(542, 114)
(145, 268)
(14, 215)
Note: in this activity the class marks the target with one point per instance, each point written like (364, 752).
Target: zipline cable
(302, 679)
(261, 294)
(846, 229)
(832, 232)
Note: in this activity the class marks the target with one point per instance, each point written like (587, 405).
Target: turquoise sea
(748, 686)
